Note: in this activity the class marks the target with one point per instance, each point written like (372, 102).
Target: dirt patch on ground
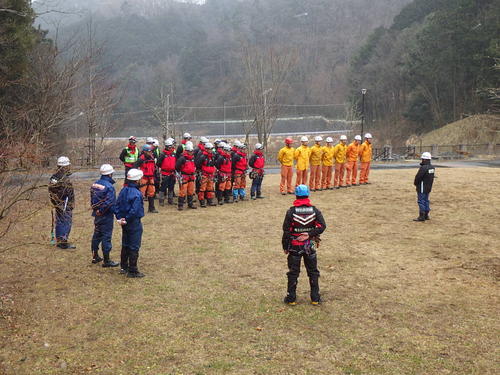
(400, 297)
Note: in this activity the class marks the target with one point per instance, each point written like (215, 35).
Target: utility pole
(224, 107)
(363, 93)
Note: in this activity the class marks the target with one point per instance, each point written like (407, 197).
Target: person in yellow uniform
(352, 161)
(285, 157)
(327, 159)
(365, 156)
(339, 154)
(315, 161)
(301, 156)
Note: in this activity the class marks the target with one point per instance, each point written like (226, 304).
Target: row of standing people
(324, 162)
(212, 173)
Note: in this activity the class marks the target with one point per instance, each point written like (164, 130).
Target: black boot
(170, 199)
(203, 203)
(180, 203)
(211, 202)
(161, 199)
(253, 197)
(426, 215)
(227, 196)
(259, 195)
(421, 216)
(95, 257)
(315, 296)
(191, 203)
(108, 262)
(220, 198)
(124, 255)
(291, 291)
(152, 208)
(133, 271)
(64, 244)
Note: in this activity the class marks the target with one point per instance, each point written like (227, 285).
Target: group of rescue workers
(219, 171)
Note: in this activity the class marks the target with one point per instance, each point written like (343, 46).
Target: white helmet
(106, 169)
(63, 161)
(209, 146)
(343, 138)
(368, 135)
(189, 146)
(357, 137)
(304, 139)
(134, 174)
(329, 140)
(237, 143)
(227, 147)
(155, 142)
(218, 140)
(186, 136)
(150, 140)
(203, 139)
(169, 142)
(426, 156)
(222, 144)
(258, 146)
(318, 138)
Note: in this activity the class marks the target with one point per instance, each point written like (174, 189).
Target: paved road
(379, 165)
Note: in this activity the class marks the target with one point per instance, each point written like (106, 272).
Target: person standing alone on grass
(285, 157)
(62, 197)
(302, 227)
(302, 155)
(129, 211)
(315, 160)
(257, 162)
(365, 156)
(352, 162)
(423, 183)
(103, 199)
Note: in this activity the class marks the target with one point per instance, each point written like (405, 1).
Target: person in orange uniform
(365, 156)
(301, 155)
(315, 160)
(327, 160)
(352, 161)
(186, 169)
(339, 154)
(285, 157)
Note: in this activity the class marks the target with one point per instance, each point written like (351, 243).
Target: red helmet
(288, 140)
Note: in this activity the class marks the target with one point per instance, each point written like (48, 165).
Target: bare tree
(266, 71)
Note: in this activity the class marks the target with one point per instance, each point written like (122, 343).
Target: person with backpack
(302, 227)
(166, 164)
(423, 183)
(257, 162)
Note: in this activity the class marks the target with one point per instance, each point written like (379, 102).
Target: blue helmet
(147, 147)
(302, 191)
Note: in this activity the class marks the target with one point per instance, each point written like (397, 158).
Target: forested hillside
(436, 63)
(200, 49)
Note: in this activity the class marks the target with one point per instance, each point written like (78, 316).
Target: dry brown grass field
(399, 297)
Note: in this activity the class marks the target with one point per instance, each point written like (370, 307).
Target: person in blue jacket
(103, 199)
(129, 211)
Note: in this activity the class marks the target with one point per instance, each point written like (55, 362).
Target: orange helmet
(288, 140)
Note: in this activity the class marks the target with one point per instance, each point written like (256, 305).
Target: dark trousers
(424, 205)
(168, 183)
(255, 190)
(64, 220)
(131, 243)
(103, 232)
(311, 263)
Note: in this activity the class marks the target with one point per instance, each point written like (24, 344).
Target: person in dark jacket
(102, 200)
(423, 183)
(301, 229)
(62, 197)
(129, 211)
(257, 162)
(166, 165)
(180, 149)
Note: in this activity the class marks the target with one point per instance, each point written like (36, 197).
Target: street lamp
(363, 92)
